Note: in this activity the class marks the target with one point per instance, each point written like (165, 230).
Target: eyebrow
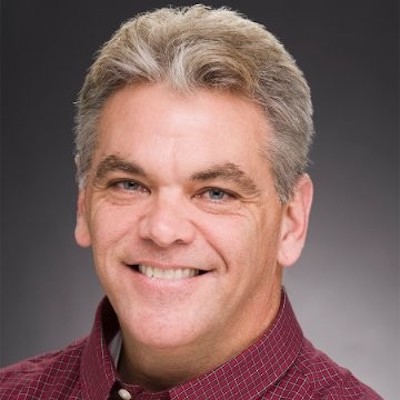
(229, 172)
(115, 163)
(225, 171)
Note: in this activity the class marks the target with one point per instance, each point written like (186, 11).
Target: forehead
(155, 123)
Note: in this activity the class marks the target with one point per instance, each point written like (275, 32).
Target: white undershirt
(115, 348)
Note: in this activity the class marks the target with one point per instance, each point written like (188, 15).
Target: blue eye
(128, 185)
(217, 194)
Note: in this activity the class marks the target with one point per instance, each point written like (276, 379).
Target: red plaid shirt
(282, 364)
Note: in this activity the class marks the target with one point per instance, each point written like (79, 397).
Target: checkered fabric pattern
(281, 365)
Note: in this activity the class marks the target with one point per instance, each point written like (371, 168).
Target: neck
(161, 369)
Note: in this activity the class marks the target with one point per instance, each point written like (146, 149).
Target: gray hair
(200, 47)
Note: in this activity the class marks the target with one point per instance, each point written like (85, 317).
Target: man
(193, 129)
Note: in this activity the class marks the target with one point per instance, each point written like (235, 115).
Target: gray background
(345, 288)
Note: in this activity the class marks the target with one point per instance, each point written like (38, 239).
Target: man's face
(183, 217)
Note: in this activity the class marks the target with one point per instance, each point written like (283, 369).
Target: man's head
(193, 131)
(199, 47)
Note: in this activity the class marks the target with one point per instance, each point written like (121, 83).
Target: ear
(295, 222)
(82, 233)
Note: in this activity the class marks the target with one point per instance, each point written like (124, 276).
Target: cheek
(268, 237)
(234, 238)
(252, 241)
(109, 225)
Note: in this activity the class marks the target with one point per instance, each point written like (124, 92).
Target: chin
(171, 330)
(162, 336)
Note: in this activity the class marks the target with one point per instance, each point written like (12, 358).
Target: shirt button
(124, 394)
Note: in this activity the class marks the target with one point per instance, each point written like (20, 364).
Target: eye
(128, 185)
(216, 195)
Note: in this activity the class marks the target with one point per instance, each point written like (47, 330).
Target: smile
(167, 274)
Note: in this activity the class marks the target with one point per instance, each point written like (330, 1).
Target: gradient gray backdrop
(345, 288)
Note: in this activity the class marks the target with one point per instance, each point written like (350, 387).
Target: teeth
(168, 274)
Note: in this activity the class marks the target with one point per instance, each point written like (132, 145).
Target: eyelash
(225, 193)
(135, 186)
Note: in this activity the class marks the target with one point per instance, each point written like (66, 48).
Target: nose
(166, 222)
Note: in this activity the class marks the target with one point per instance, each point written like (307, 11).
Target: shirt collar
(251, 372)
(98, 374)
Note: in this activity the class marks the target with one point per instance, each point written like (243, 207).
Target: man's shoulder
(327, 380)
(50, 375)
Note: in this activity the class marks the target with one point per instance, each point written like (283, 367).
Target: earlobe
(295, 222)
(82, 234)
